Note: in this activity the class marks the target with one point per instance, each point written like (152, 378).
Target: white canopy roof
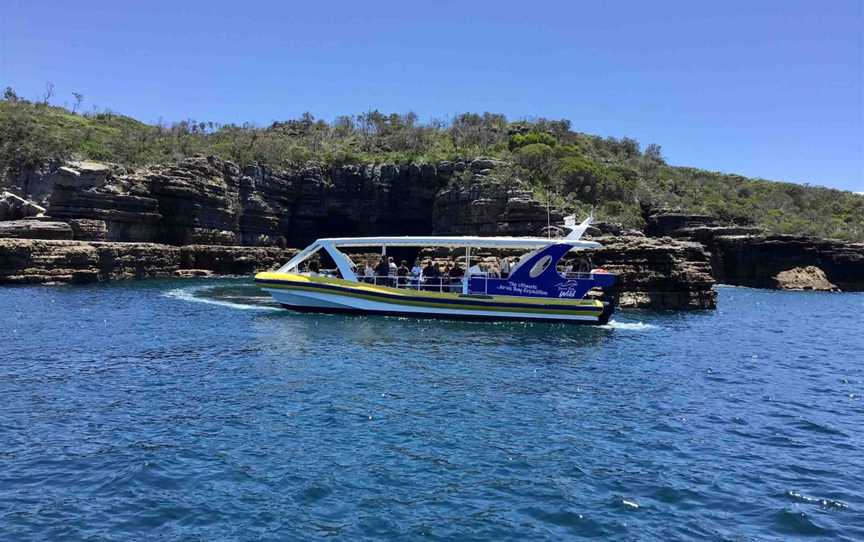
(454, 241)
(333, 244)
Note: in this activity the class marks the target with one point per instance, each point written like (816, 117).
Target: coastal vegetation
(575, 171)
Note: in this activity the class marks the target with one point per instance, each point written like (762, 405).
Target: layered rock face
(204, 202)
(754, 260)
(363, 201)
(486, 204)
(99, 193)
(14, 207)
(490, 209)
(747, 256)
(35, 229)
(668, 222)
(26, 261)
(803, 278)
(658, 274)
(211, 201)
(35, 184)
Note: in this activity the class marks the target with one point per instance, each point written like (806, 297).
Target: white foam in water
(633, 326)
(188, 294)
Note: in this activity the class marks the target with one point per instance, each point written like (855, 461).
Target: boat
(535, 289)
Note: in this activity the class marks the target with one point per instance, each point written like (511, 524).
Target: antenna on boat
(577, 230)
(548, 216)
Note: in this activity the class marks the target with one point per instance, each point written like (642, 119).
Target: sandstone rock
(666, 222)
(34, 184)
(25, 261)
(13, 207)
(754, 260)
(485, 164)
(193, 273)
(83, 175)
(211, 201)
(747, 256)
(491, 208)
(199, 201)
(135, 260)
(208, 201)
(667, 300)
(658, 273)
(85, 229)
(226, 260)
(127, 217)
(706, 234)
(29, 261)
(35, 229)
(599, 229)
(803, 278)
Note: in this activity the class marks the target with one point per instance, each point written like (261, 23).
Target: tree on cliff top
(573, 168)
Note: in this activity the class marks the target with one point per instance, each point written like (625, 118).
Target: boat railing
(577, 275)
(412, 282)
(442, 284)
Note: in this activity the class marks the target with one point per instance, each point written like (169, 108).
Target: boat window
(574, 265)
(539, 267)
(317, 261)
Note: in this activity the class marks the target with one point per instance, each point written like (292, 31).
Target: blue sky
(768, 89)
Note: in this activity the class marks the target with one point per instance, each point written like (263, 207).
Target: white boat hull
(307, 301)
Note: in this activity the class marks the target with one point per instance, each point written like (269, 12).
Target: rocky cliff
(206, 202)
(658, 273)
(754, 260)
(28, 261)
(747, 256)
(211, 201)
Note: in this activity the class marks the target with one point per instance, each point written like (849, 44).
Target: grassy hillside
(575, 170)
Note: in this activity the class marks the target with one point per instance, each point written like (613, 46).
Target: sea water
(197, 410)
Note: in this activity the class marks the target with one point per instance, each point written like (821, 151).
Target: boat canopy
(345, 265)
(454, 242)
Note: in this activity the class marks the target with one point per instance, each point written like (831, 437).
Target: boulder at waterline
(804, 278)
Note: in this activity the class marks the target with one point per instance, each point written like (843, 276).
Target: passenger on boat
(402, 273)
(432, 276)
(391, 272)
(314, 268)
(584, 265)
(382, 271)
(416, 274)
(368, 272)
(504, 265)
(456, 275)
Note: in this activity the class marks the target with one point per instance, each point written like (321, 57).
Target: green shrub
(573, 170)
(532, 138)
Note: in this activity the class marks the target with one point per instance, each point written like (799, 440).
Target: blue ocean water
(194, 410)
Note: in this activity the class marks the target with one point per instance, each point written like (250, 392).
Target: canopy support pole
(466, 276)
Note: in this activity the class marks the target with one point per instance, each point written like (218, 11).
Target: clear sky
(773, 89)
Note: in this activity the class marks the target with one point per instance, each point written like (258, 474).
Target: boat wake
(631, 326)
(199, 294)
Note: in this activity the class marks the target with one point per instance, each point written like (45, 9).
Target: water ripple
(196, 410)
